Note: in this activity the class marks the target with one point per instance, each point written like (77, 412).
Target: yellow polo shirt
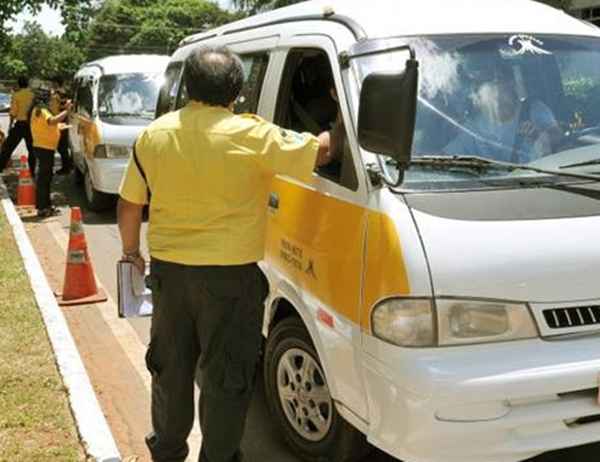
(209, 172)
(55, 103)
(20, 104)
(43, 134)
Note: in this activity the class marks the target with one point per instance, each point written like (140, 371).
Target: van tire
(97, 201)
(342, 442)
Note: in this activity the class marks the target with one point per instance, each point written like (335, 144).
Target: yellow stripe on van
(318, 242)
(385, 271)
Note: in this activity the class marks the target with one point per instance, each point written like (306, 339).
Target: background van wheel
(300, 402)
(96, 200)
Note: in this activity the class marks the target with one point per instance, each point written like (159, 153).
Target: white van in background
(114, 99)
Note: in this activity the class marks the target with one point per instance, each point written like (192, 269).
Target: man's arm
(129, 217)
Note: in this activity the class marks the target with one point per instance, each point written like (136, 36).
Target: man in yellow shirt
(19, 125)
(45, 133)
(207, 173)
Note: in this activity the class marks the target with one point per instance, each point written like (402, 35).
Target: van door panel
(315, 241)
(316, 236)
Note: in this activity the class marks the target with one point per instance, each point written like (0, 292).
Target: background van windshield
(128, 95)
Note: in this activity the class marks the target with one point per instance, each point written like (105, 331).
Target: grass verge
(35, 420)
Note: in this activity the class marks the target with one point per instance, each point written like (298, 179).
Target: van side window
(255, 68)
(85, 99)
(307, 103)
(168, 91)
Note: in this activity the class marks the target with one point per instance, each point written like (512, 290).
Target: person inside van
(504, 127)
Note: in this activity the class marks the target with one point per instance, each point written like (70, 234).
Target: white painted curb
(91, 423)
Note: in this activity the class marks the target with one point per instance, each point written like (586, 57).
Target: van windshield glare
(128, 95)
(519, 98)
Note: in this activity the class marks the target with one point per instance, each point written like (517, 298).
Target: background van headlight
(414, 323)
(112, 151)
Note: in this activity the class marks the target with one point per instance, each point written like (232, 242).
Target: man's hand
(528, 130)
(323, 155)
(137, 259)
(129, 217)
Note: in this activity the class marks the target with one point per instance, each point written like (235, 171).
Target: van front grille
(560, 318)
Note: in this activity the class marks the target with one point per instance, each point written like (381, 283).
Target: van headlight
(404, 322)
(414, 323)
(112, 151)
(473, 321)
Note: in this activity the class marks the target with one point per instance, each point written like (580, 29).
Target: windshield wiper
(123, 114)
(485, 163)
(582, 164)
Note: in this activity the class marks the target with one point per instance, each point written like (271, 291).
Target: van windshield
(128, 96)
(524, 99)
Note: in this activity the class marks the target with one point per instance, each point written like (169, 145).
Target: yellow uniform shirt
(209, 172)
(20, 104)
(43, 134)
(55, 103)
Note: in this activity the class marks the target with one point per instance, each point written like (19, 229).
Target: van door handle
(274, 200)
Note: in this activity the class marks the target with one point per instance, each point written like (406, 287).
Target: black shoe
(48, 212)
(63, 171)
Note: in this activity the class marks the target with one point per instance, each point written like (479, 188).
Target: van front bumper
(501, 402)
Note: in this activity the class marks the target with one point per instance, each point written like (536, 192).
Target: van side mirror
(387, 113)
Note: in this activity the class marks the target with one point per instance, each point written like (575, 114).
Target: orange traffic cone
(26, 186)
(80, 283)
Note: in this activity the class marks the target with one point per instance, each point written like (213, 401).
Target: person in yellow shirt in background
(19, 128)
(45, 133)
(58, 99)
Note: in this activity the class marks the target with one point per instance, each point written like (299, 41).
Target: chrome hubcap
(304, 394)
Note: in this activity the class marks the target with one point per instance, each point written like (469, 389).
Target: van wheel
(97, 201)
(299, 398)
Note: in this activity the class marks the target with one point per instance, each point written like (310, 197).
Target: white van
(437, 289)
(114, 99)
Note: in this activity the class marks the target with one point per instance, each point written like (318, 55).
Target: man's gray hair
(213, 75)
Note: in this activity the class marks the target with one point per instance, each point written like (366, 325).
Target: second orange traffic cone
(80, 282)
(26, 186)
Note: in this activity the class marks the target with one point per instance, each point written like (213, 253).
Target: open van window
(123, 98)
(517, 98)
(255, 67)
(168, 91)
(307, 103)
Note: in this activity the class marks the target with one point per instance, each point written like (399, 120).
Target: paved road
(262, 441)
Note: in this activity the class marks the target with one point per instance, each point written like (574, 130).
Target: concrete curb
(93, 429)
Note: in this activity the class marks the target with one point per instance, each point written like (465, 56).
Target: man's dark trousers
(45, 158)
(19, 131)
(63, 150)
(214, 314)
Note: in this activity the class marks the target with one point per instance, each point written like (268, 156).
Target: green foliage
(10, 8)
(150, 26)
(256, 6)
(36, 54)
(583, 94)
(562, 4)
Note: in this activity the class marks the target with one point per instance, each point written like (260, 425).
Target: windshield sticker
(526, 44)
